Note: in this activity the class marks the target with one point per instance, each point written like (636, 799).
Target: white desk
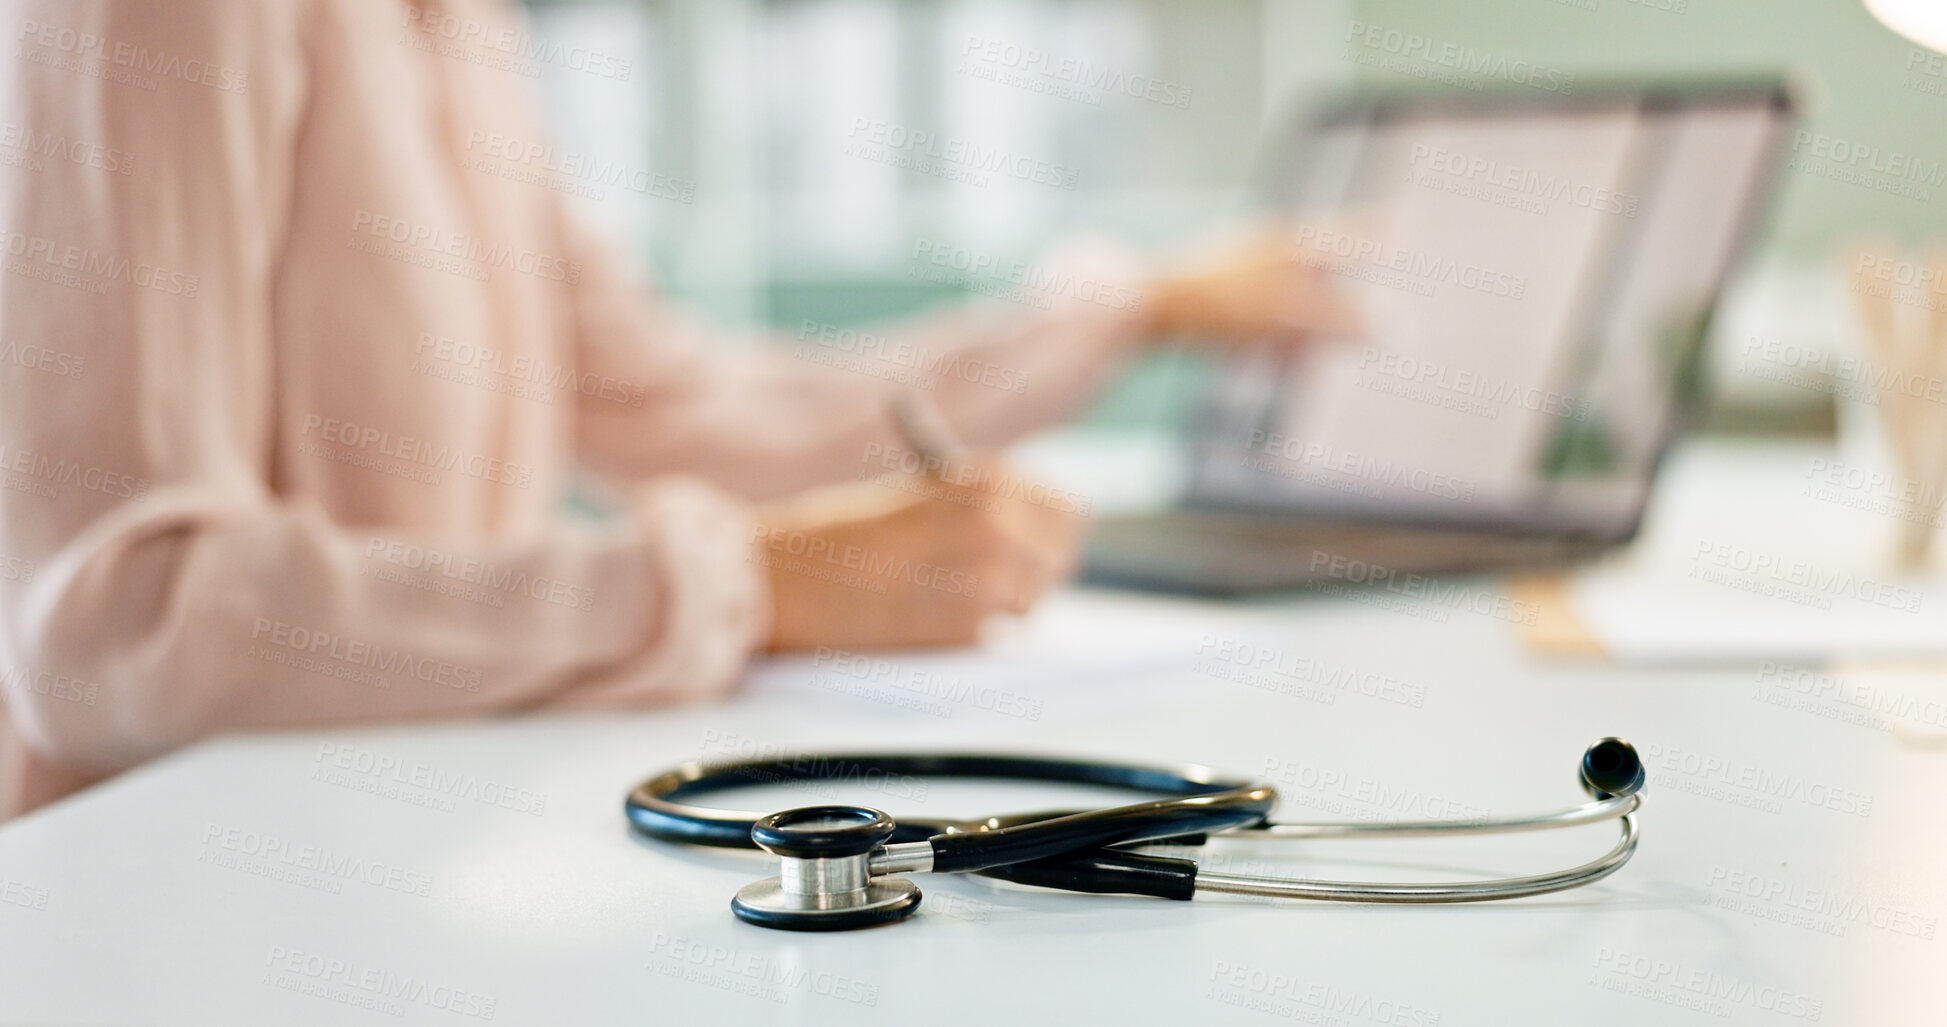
(254, 881)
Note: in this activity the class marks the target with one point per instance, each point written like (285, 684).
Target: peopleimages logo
(130, 57)
(514, 43)
(39, 257)
(1280, 669)
(1069, 77)
(1030, 283)
(485, 573)
(1687, 986)
(1453, 57)
(1436, 596)
(328, 645)
(1278, 992)
(765, 975)
(1425, 269)
(1866, 165)
(366, 986)
(867, 567)
(417, 453)
(1854, 377)
(1866, 703)
(1871, 157)
(827, 776)
(1353, 466)
(20, 893)
(440, 249)
(587, 169)
(521, 375)
(1364, 798)
(78, 152)
(838, 343)
(1463, 382)
(912, 144)
(386, 768)
(40, 358)
(23, 679)
(1829, 908)
(983, 480)
(236, 848)
(1794, 580)
(46, 470)
(1746, 784)
(878, 672)
(1525, 181)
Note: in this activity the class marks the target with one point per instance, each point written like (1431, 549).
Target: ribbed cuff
(714, 609)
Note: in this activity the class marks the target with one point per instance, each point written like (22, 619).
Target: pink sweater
(291, 388)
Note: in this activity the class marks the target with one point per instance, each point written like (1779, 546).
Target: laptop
(1536, 275)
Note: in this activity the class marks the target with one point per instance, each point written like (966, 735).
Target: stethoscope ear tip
(1611, 767)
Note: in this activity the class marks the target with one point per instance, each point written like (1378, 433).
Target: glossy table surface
(1790, 869)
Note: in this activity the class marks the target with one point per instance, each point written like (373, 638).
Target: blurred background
(769, 125)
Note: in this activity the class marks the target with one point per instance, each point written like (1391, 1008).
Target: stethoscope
(837, 865)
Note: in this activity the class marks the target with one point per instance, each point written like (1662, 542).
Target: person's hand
(911, 561)
(1254, 285)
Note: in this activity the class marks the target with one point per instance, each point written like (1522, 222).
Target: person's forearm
(812, 409)
(186, 625)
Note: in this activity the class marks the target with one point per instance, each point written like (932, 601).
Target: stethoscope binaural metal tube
(1588, 813)
(1617, 807)
(1610, 771)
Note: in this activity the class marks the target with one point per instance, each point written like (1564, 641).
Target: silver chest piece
(824, 880)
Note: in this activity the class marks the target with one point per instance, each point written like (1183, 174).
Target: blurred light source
(1923, 21)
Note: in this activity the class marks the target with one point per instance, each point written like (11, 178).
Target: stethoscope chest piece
(824, 880)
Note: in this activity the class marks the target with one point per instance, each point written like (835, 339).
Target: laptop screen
(1534, 278)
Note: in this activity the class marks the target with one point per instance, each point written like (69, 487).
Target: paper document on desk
(1741, 614)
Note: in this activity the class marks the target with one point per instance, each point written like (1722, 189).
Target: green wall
(1855, 75)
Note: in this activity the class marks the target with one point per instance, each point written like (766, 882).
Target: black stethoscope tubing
(1070, 850)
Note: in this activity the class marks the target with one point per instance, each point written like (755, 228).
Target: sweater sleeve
(812, 407)
(157, 588)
